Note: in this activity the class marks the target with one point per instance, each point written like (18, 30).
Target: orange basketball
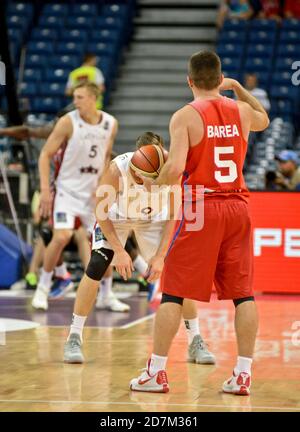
(149, 160)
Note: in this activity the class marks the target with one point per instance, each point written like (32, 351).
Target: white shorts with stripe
(147, 234)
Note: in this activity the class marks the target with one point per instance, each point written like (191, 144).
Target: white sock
(61, 270)
(77, 325)
(46, 279)
(140, 265)
(105, 287)
(157, 364)
(192, 328)
(243, 365)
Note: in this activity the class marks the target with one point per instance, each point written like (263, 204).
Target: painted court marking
(138, 321)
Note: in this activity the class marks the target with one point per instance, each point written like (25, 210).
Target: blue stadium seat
(44, 34)
(47, 105)
(67, 48)
(283, 92)
(102, 48)
(56, 9)
(254, 64)
(36, 60)
(17, 22)
(73, 35)
(285, 107)
(289, 37)
(51, 21)
(232, 36)
(288, 50)
(231, 74)
(15, 35)
(291, 24)
(32, 75)
(260, 50)
(109, 23)
(79, 22)
(107, 35)
(23, 9)
(35, 47)
(281, 78)
(64, 61)
(28, 89)
(52, 89)
(230, 50)
(231, 64)
(284, 63)
(235, 24)
(262, 37)
(58, 75)
(106, 66)
(263, 24)
(120, 10)
(84, 9)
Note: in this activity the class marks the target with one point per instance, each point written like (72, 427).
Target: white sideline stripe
(138, 321)
(147, 403)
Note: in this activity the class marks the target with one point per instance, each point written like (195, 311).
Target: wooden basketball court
(34, 378)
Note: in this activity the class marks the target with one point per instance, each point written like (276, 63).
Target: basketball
(149, 160)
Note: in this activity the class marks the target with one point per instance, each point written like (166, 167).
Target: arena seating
(269, 50)
(55, 38)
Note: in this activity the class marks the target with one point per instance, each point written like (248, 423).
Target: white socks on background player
(105, 288)
(243, 365)
(192, 328)
(46, 277)
(77, 325)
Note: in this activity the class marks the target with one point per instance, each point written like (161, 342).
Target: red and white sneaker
(157, 383)
(238, 384)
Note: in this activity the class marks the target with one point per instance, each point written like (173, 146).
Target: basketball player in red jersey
(208, 147)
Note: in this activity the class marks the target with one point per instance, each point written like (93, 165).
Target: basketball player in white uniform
(85, 137)
(133, 210)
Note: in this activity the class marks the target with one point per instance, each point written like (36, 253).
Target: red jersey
(216, 162)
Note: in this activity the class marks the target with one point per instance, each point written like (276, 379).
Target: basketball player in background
(208, 147)
(152, 226)
(85, 138)
(106, 299)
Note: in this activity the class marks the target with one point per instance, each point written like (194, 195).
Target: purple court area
(60, 312)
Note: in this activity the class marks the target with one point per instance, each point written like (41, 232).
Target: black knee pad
(167, 298)
(46, 234)
(242, 300)
(99, 262)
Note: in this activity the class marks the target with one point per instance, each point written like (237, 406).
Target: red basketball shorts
(220, 253)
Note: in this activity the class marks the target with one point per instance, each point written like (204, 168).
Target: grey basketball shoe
(198, 352)
(72, 349)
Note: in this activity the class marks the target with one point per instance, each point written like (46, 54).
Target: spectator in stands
(251, 84)
(270, 9)
(292, 9)
(240, 9)
(87, 72)
(288, 177)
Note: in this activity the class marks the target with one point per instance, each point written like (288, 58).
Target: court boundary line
(147, 403)
(136, 322)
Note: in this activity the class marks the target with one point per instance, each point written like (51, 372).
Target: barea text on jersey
(227, 131)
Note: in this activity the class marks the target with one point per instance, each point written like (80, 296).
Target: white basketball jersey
(133, 201)
(83, 158)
